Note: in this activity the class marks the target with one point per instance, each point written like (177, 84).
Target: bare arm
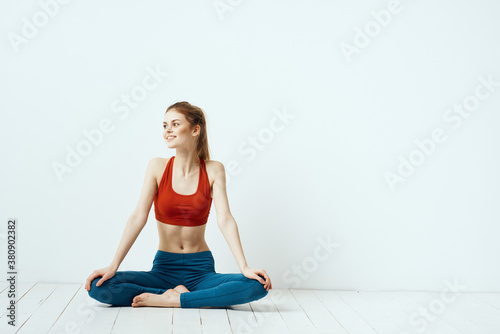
(225, 220)
(229, 228)
(139, 216)
(132, 230)
(230, 231)
(134, 226)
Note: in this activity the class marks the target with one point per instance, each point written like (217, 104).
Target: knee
(100, 293)
(257, 291)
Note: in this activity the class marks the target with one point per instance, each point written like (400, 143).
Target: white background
(322, 175)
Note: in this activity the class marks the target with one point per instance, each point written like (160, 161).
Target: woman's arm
(132, 230)
(134, 226)
(230, 231)
(139, 216)
(229, 228)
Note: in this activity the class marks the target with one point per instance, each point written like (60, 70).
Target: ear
(197, 129)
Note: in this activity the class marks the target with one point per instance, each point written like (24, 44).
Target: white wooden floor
(67, 308)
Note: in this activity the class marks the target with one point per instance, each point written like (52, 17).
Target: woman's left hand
(254, 274)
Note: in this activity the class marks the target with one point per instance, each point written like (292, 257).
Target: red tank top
(177, 209)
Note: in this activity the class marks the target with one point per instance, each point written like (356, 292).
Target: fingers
(90, 279)
(105, 277)
(267, 283)
(268, 280)
(260, 279)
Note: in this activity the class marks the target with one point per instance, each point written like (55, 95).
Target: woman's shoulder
(156, 160)
(159, 163)
(214, 164)
(215, 168)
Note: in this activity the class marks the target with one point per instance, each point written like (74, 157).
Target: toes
(140, 298)
(138, 304)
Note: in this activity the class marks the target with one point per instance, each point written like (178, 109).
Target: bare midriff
(178, 238)
(182, 239)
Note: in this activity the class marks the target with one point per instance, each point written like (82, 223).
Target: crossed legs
(141, 288)
(215, 290)
(178, 280)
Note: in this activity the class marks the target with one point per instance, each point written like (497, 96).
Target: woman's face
(177, 131)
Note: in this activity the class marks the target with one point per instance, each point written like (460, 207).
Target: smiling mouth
(170, 138)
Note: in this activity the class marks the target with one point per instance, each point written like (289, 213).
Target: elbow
(138, 218)
(222, 223)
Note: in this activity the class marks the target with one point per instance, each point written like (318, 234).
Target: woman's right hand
(106, 273)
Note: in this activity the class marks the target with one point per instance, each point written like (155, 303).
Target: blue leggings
(196, 271)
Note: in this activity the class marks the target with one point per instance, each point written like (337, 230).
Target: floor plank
(186, 321)
(241, 318)
(30, 302)
(345, 315)
(143, 319)
(102, 318)
(492, 299)
(78, 311)
(386, 303)
(293, 314)
(317, 312)
(432, 308)
(417, 316)
(67, 308)
(479, 312)
(42, 319)
(22, 289)
(267, 317)
(215, 321)
(373, 316)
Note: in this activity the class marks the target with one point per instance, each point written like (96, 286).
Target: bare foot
(169, 298)
(181, 289)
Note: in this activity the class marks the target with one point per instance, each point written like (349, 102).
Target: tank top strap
(205, 175)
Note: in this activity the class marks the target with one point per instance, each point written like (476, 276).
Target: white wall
(320, 175)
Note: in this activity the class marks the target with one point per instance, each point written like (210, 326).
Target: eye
(165, 125)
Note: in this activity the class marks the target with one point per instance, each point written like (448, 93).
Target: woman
(182, 188)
